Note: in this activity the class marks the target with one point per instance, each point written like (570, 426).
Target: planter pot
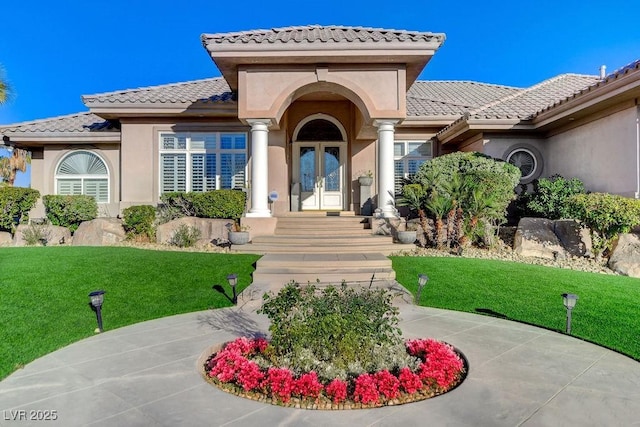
(407, 237)
(239, 237)
(365, 181)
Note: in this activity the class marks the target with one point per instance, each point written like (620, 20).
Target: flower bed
(235, 369)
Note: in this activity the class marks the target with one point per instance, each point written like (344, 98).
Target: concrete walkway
(146, 375)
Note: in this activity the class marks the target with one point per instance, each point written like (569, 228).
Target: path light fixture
(233, 281)
(569, 301)
(422, 282)
(97, 297)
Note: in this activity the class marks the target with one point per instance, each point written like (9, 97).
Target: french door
(319, 168)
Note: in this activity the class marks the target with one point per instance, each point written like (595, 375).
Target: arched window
(319, 130)
(83, 172)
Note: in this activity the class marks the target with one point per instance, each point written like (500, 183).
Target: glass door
(320, 174)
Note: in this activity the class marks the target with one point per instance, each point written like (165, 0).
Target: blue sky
(54, 52)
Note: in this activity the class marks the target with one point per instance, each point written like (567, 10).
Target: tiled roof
(73, 123)
(442, 98)
(213, 90)
(633, 67)
(321, 34)
(524, 104)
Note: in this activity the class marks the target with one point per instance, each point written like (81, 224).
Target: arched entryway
(319, 164)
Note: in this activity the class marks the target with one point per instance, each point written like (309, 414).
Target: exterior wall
(602, 153)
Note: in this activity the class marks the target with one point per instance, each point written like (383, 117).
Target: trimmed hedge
(227, 204)
(138, 221)
(550, 195)
(15, 204)
(70, 211)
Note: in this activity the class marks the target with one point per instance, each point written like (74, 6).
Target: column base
(259, 213)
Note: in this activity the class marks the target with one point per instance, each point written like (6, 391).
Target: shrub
(185, 236)
(353, 331)
(211, 204)
(70, 211)
(466, 194)
(36, 234)
(606, 215)
(15, 204)
(550, 195)
(138, 221)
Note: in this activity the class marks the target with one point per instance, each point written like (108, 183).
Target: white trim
(320, 116)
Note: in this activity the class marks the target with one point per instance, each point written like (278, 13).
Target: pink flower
(409, 381)
(250, 375)
(308, 385)
(280, 381)
(337, 390)
(388, 384)
(366, 390)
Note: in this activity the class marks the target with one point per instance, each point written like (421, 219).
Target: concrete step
(301, 240)
(304, 262)
(330, 278)
(385, 249)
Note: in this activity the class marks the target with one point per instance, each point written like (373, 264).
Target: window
(526, 158)
(408, 156)
(83, 172)
(202, 161)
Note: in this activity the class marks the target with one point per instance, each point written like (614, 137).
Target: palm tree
(5, 89)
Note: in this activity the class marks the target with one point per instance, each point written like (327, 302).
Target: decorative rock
(575, 238)
(54, 234)
(625, 255)
(99, 232)
(536, 237)
(5, 238)
(210, 229)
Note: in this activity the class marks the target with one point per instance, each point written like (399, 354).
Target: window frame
(212, 145)
(406, 157)
(82, 177)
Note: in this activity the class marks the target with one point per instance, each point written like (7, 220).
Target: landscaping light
(97, 297)
(569, 301)
(233, 281)
(422, 281)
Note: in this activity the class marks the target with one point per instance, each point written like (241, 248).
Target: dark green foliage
(218, 204)
(464, 193)
(139, 220)
(15, 204)
(70, 211)
(227, 204)
(341, 325)
(606, 215)
(550, 195)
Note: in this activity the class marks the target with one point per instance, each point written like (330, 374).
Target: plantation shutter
(83, 172)
(174, 172)
(69, 187)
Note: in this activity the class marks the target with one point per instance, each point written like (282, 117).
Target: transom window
(202, 161)
(408, 156)
(83, 172)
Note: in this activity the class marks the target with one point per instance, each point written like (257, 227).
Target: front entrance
(319, 170)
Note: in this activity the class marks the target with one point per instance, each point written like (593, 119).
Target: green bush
(15, 204)
(465, 193)
(139, 220)
(185, 236)
(70, 211)
(550, 195)
(336, 331)
(227, 204)
(606, 215)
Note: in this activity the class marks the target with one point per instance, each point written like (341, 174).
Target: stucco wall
(602, 153)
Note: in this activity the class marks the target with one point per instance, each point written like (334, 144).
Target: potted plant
(238, 233)
(409, 234)
(365, 178)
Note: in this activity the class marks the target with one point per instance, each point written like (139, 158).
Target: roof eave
(467, 128)
(28, 138)
(116, 110)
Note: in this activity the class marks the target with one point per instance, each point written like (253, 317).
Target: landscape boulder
(536, 237)
(575, 238)
(5, 238)
(99, 232)
(625, 255)
(211, 230)
(52, 235)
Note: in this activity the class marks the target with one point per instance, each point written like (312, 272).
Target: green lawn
(606, 313)
(43, 292)
(44, 304)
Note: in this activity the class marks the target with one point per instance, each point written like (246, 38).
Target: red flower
(409, 381)
(388, 384)
(337, 390)
(250, 375)
(366, 390)
(280, 382)
(308, 385)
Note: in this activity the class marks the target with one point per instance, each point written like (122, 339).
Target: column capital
(259, 124)
(385, 124)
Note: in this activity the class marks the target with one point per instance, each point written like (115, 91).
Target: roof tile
(74, 123)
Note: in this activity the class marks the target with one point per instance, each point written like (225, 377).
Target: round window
(524, 160)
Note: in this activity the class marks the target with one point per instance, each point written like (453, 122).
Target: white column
(259, 168)
(386, 178)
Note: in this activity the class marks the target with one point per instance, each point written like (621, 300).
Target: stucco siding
(601, 153)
